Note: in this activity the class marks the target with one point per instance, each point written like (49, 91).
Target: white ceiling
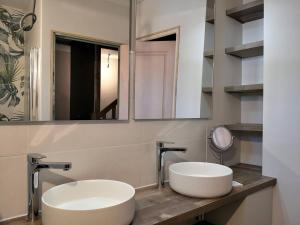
(18, 4)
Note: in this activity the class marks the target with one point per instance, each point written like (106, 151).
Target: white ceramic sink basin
(199, 179)
(90, 202)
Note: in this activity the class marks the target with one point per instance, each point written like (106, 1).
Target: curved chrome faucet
(35, 165)
(161, 151)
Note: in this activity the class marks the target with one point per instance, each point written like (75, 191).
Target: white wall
(155, 16)
(281, 155)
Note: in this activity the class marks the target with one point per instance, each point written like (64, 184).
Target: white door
(155, 80)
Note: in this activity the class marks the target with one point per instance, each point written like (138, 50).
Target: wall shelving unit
(250, 90)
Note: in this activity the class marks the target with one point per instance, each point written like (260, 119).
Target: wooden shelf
(247, 12)
(247, 50)
(245, 127)
(207, 90)
(245, 89)
(209, 54)
(210, 20)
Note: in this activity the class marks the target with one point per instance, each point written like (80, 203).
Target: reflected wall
(179, 78)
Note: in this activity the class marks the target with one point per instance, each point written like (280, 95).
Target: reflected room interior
(51, 70)
(156, 75)
(86, 80)
(173, 73)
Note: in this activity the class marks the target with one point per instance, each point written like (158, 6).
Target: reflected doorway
(86, 79)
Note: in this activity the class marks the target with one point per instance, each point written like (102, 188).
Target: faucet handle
(33, 157)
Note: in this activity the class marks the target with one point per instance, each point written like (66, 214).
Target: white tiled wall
(123, 151)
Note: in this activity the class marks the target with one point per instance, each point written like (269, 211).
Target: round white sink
(90, 202)
(200, 179)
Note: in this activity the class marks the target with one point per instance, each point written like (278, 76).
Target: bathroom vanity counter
(165, 207)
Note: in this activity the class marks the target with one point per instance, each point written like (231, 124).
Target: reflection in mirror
(208, 61)
(155, 80)
(170, 65)
(34, 62)
(12, 65)
(87, 79)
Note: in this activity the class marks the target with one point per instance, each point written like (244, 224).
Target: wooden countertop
(165, 207)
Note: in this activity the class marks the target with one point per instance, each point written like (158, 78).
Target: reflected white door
(155, 80)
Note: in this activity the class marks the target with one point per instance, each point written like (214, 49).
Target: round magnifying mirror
(221, 139)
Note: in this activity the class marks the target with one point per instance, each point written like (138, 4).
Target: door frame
(77, 37)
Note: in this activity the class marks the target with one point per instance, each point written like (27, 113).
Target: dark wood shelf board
(210, 20)
(209, 54)
(247, 50)
(245, 89)
(247, 12)
(256, 168)
(207, 90)
(245, 127)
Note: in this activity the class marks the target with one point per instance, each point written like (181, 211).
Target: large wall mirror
(64, 60)
(174, 59)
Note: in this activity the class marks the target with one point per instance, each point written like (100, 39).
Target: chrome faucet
(35, 165)
(161, 151)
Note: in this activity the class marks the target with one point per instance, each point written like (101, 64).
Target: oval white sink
(90, 202)
(200, 179)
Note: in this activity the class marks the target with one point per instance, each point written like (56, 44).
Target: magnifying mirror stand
(220, 141)
(221, 158)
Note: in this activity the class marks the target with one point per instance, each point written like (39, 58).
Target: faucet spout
(35, 165)
(54, 165)
(173, 150)
(161, 151)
